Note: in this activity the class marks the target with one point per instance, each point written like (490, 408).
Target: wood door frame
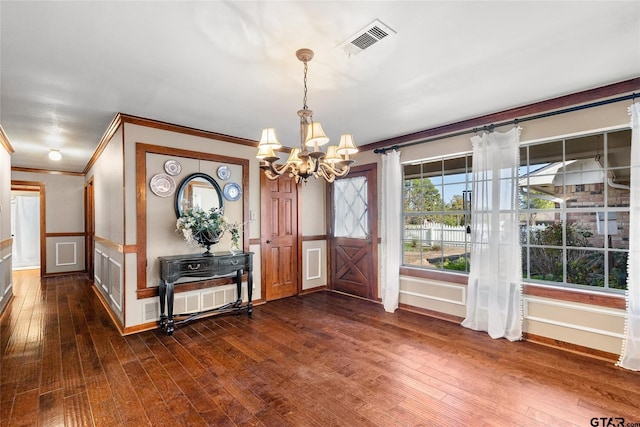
(372, 195)
(89, 226)
(36, 186)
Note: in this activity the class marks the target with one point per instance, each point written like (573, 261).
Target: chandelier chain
(304, 99)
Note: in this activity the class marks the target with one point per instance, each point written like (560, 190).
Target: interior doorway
(29, 238)
(25, 229)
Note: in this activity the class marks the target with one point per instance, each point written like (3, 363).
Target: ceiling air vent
(368, 36)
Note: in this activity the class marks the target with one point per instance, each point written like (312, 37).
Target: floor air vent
(367, 37)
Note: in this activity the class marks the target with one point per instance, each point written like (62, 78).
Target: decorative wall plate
(224, 173)
(232, 191)
(162, 185)
(172, 167)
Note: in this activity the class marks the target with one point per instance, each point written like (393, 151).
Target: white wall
(6, 289)
(108, 184)
(108, 257)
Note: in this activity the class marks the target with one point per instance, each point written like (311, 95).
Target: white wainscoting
(97, 267)
(108, 277)
(104, 261)
(314, 260)
(115, 283)
(195, 301)
(601, 328)
(66, 254)
(314, 264)
(442, 297)
(586, 325)
(5, 278)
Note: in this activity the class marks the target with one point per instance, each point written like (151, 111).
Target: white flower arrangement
(206, 227)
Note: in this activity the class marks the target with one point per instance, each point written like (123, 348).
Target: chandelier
(308, 160)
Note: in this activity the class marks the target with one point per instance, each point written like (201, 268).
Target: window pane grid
(573, 208)
(436, 214)
(574, 214)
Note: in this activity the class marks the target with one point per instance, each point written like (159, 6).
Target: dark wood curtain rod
(491, 127)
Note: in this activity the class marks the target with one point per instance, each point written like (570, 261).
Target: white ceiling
(68, 67)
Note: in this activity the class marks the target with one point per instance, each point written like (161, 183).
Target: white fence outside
(433, 233)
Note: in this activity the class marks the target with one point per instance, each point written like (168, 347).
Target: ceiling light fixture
(55, 155)
(303, 163)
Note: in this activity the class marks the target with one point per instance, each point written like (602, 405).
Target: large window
(436, 214)
(574, 212)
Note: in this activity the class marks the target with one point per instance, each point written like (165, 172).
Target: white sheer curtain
(391, 229)
(25, 226)
(495, 276)
(630, 355)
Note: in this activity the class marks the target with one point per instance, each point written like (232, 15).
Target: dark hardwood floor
(322, 359)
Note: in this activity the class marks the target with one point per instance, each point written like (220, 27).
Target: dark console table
(203, 266)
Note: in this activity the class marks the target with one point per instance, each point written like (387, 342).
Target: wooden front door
(279, 237)
(353, 240)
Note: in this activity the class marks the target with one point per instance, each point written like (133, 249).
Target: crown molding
(4, 141)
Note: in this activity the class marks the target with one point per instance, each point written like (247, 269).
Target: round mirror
(198, 190)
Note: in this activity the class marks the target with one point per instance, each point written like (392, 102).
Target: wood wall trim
(45, 171)
(4, 141)
(118, 247)
(254, 241)
(116, 122)
(422, 273)
(141, 205)
(109, 310)
(180, 152)
(62, 273)
(431, 313)
(318, 289)
(130, 249)
(558, 103)
(571, 348)
(125, 118)
(570, 295)
(141, 219)
(6, 243)
(314, 238)
(66, 234)
(142, 327)
(120, 119)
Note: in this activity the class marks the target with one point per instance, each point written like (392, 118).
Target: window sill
(576, 295)
(445, 276)
(563, 294)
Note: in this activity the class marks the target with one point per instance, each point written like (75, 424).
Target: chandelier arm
(337, 172)
(284, 168)
(327, 174)
(270, 175)
(275, 171)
